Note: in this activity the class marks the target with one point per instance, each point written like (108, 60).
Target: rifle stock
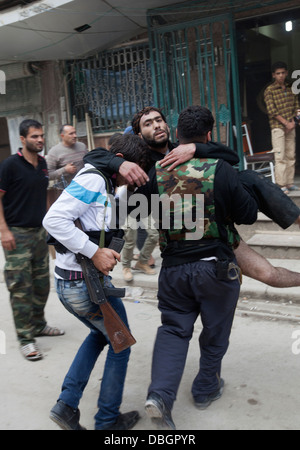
(118, 333)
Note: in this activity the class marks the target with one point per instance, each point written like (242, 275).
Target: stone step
(295, 196)
(281, 245)
(264, 224)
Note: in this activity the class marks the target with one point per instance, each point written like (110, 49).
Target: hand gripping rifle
(118, 333)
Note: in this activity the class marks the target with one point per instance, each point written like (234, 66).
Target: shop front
(220, 55)
(261, 41)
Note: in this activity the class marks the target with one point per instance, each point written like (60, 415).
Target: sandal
(285, 190)
(31, 352)
(293, 188)
(51, 331)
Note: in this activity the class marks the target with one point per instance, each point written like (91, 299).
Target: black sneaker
(125, 421)
(203, 404)
(156, 409)
(66, 417)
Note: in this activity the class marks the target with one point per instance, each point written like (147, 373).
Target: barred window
(111, 87)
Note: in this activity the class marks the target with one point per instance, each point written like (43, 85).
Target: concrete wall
(54, 101)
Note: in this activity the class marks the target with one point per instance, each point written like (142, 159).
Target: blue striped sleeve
(84, 195)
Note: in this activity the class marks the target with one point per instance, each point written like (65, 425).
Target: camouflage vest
(194, 177)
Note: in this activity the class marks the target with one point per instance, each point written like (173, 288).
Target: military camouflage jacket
(227, 203)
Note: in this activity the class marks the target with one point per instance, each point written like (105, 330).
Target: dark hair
(145, 111)
(114, 138)
(279, 65)
(133, 149)
(28, 123)
(194, 123)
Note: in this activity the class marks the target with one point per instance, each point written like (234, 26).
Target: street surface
(261, 369)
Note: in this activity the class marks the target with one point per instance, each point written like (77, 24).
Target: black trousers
(185, 292)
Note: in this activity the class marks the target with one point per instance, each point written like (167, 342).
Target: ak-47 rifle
(118, 333)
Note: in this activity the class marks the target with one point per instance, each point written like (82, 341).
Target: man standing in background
(282, 105)
(23, 192)
(66, 158)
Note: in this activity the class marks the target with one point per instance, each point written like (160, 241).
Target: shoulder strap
(108, 190)
(97, 172)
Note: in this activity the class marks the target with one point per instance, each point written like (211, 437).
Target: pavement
(261, 368)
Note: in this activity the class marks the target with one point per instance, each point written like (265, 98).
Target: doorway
(195, 63)
(261, 41)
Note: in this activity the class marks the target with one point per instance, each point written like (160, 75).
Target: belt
(73, 275)
(70, 275)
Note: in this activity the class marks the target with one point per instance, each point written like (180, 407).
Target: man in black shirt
(23, 191)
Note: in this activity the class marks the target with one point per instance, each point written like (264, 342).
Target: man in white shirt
(87, 198)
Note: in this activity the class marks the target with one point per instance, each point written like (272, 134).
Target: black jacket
(109, 163)
(269, 197)
(232, 202)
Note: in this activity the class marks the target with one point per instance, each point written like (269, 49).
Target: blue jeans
(75, 298)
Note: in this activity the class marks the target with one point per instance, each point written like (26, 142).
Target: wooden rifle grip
(119, 335)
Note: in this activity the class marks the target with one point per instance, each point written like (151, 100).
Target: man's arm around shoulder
(102, 159)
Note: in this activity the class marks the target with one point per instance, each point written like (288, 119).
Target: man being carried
(150, 124)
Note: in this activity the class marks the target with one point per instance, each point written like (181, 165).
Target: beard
(157, 144)
(32, 148)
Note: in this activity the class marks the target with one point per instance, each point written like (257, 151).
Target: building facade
(217, 54)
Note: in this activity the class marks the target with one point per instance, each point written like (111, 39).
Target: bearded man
(23, 193)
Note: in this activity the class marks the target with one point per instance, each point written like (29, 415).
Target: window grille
(111, 87)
